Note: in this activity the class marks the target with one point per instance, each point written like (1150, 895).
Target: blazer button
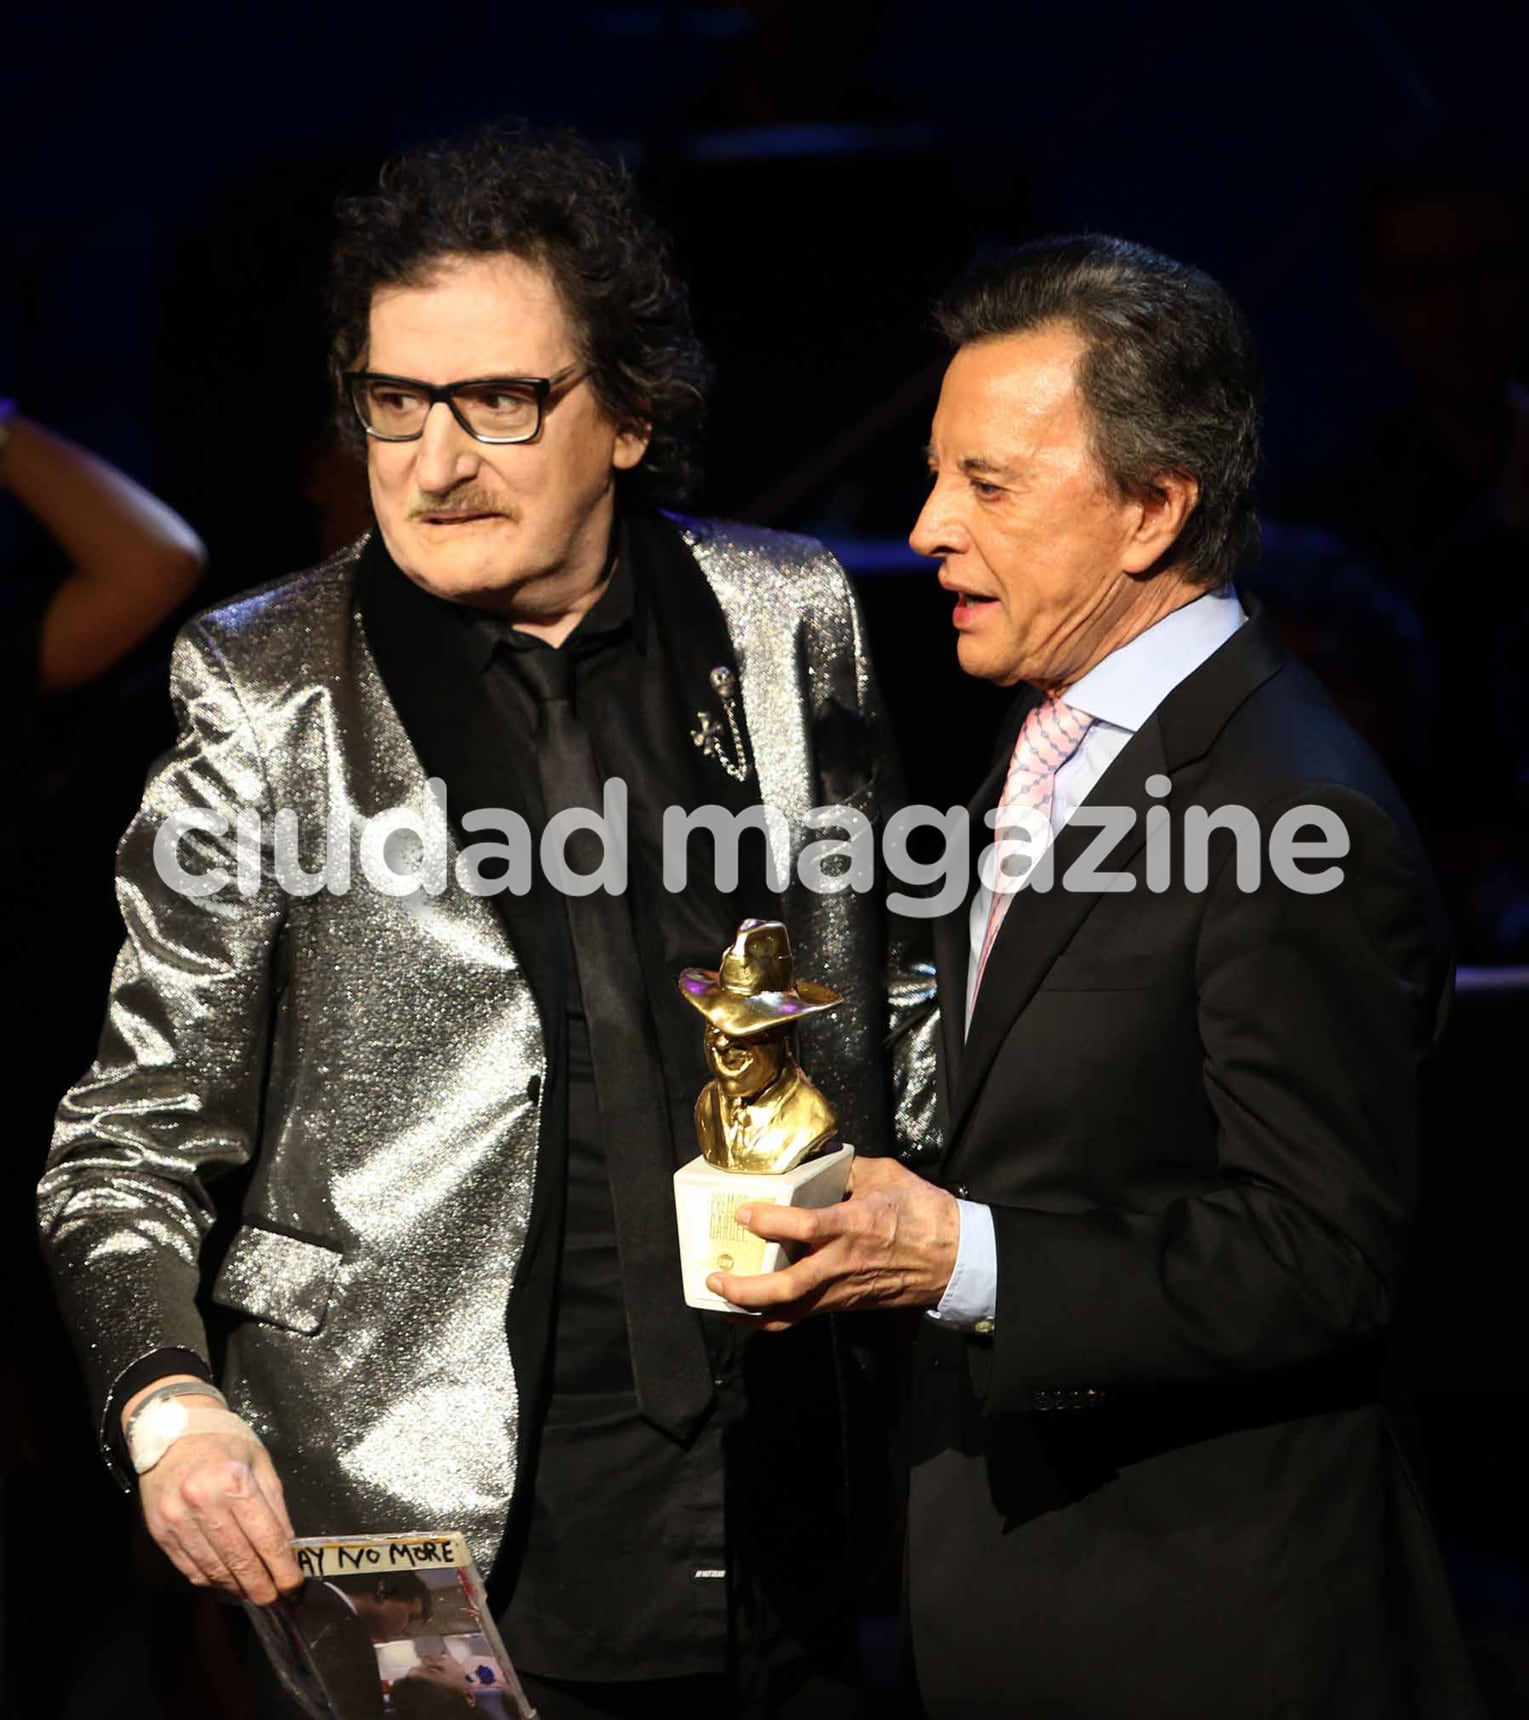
(961, 1191)
(534, 1089)
(1044, 1399)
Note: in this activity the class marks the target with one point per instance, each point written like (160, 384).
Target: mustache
(466, 501)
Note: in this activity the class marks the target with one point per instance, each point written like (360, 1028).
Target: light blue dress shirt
(1119, 693)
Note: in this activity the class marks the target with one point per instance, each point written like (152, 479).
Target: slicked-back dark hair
(389, 1586)
(1168, 376)
(548, 199)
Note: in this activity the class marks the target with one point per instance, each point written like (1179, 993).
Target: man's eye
(394, 399)
(984, 488)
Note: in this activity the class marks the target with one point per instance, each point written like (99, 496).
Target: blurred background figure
(112, 566)
(116, 564)
(130, 562)
(105, 566)
(1436, 494)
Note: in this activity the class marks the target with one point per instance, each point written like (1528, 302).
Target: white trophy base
(705, 1199)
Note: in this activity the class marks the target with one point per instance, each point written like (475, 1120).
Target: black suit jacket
(342, 1652)
(1166, 1484)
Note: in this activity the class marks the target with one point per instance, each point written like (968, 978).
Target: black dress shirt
(622, 1564)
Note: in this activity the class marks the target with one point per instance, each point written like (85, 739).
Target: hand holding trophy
(767, 1135)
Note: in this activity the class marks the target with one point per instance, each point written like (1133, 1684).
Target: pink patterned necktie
(1050, 735)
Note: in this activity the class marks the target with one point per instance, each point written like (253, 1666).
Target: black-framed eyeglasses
(498, 409)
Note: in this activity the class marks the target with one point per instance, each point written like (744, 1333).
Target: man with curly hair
(458, 1096)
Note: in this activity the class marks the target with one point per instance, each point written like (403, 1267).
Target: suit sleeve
(1315, 1014)
(174, 1091)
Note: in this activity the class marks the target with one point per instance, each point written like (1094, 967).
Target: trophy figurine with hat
(766, 1133)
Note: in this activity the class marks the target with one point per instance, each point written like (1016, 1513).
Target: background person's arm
(132, 559)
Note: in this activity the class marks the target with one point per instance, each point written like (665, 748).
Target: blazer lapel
(1040, 924)
(952, 944)
(689, 621)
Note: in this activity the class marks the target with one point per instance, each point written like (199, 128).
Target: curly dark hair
(1169, 378)
(550, 199)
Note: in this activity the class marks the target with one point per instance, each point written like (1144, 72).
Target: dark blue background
(166, 179)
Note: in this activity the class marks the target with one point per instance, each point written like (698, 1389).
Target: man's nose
(446, 455)
(938, 531)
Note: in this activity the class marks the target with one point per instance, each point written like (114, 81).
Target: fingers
(754, 1290)
(174, 1549)
(269, 1483)
(214, 1505)
(784, 1223)
(255, 1545)
(199, 1559)
(778, 1316)
(773, 1290)
(867, 1176)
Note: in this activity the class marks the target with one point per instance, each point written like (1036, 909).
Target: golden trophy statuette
(766, 1133)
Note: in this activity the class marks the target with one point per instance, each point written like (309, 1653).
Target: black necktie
(669, 1360)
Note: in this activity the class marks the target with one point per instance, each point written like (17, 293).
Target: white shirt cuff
(971, 1297)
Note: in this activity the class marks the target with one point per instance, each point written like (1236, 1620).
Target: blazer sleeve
(1316, 1012)
(174, 1091)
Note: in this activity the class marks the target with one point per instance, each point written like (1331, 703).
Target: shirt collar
(616, 612)
(1128, 685)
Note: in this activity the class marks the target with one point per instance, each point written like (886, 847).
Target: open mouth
(969, 607)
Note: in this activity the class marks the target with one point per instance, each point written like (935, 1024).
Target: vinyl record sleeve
(385, 1626)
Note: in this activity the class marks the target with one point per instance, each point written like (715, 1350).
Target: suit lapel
(688, 620)
(1040, 924)
(952, 946)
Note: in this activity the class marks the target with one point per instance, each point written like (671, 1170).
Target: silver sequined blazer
(378, 1056)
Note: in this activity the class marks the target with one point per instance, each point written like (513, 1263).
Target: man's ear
(632, 440)
(1161, 514)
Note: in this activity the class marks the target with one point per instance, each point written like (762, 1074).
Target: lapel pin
(710, 737)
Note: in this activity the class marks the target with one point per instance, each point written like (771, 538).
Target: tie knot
(1051, 734)
(547, 671)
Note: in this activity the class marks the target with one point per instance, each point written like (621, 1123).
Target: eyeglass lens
(492, 409)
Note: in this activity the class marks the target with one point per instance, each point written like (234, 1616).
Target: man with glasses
(454, 1289)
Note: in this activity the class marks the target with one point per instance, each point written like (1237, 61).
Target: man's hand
(214, 1505)
(892, 1244)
